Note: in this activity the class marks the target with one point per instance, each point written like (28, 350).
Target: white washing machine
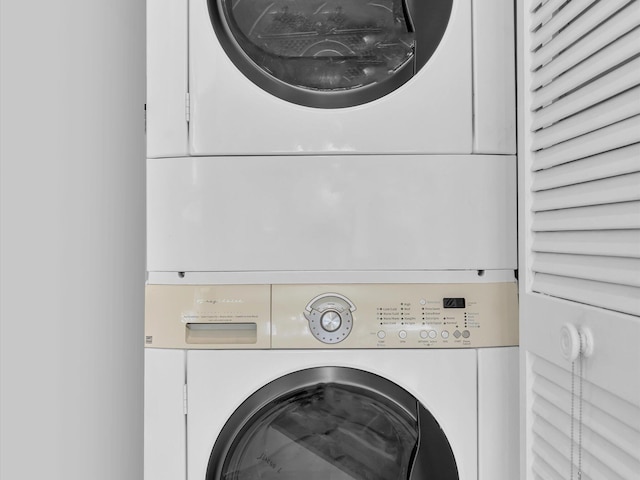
(343, 382)
(316, 77)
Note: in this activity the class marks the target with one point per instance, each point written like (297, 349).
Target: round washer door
(333, 423)
(329, 53)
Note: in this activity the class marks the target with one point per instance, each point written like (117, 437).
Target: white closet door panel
(579, 190)
(605, 87)
(623, 270)
(572, 32)
(616, 216)
(608, 138)
(594, 61)
(603, 165)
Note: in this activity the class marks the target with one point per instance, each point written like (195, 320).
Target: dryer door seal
(331, 422)
(329, 54)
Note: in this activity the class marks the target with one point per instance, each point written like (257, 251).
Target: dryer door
(332, 423)
(329, 54)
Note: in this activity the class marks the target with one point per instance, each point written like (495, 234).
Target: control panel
(395, 315)
(332, 316)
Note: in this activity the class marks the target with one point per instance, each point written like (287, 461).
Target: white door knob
(574, 341)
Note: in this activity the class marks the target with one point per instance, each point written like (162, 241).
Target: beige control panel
(332, 316)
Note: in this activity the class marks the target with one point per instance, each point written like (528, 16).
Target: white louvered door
(579, 187)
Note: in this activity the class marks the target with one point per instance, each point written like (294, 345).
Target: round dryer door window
(331, 423)
(329, 53)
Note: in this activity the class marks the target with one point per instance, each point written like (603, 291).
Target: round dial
(330, 319)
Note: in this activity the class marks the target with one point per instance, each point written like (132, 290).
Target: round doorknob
(575, 342)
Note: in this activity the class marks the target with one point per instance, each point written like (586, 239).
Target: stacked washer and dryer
(331, 235)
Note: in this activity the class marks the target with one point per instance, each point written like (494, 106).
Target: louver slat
(604, 165)
(619, 108)
(551, 28)
(614, 136)
(546, 451)
(614, 243)
(605, 87)
(618, 298)
(624, 46)
(545, 13)
(537, 4)
(544, 471)
(623, 188)
(572, 32)
(610, 217)
(600, 269)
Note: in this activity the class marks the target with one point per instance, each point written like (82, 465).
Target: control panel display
(453, 303)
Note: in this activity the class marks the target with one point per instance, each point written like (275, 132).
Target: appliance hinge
(187, 106)
(185, 404)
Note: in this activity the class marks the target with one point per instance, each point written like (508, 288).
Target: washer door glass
(329, 53)
(331, 430)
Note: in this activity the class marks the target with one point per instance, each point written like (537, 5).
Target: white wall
(72, 244)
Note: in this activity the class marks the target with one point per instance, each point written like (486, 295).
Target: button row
(428, 334)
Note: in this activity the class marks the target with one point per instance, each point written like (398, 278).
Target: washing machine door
(329, 53)
(331, 423)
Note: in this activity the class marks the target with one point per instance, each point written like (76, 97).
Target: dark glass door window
(329, 53)
(349, 429)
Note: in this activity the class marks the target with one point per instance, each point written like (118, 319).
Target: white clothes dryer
(295, 77)
(342, 382)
